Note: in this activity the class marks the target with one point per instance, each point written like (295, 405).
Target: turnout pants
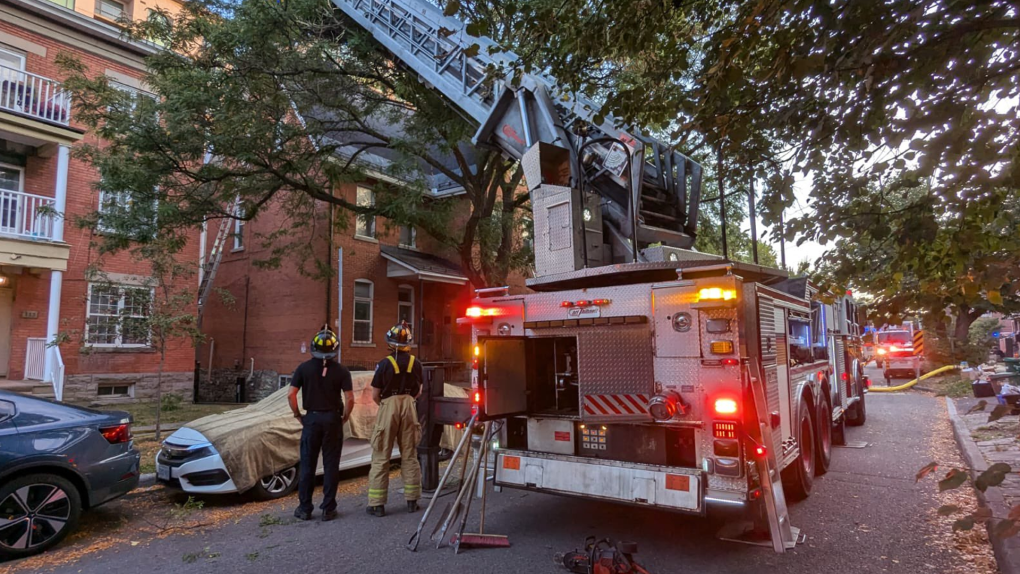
(322, 431)
(397, 422)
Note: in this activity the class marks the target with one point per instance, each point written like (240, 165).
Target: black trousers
(323, 431)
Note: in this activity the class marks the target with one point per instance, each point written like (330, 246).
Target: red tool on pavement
(602, 557)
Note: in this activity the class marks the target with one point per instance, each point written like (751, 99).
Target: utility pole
(754, 232)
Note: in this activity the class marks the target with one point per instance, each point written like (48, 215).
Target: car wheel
(824, 438)
(276, 485)
(799, 477)
(36, 512)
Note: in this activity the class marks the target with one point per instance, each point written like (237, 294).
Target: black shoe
(412, 506)
(329, 515)
(302, 515)
(379, 511)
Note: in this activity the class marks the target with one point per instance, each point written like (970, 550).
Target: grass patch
(144, 414)
(951, 386)
(147, 445)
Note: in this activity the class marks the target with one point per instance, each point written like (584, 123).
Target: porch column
(56, 277)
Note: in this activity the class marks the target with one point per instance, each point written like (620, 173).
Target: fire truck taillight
(721, 347)
(724, 430)
(665, 406)
(881, 351)
(760, 451)
(725, 407)
(717, 294)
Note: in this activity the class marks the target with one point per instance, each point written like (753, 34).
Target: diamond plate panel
(554, 244)
(624, 300)
(683, 376)
(668, 302)
(717, 482)
(615, 361)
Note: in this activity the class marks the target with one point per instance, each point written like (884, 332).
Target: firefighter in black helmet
(396, 385)
(321, 381)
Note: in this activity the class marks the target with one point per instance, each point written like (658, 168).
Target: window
(284, 381)
(527, 234)
(363, 311)
(407, 236)
(239, 234)
(164, 24)
(134, 95)
(12, 179)
(117, 316)
(7, 410)
(110, 9)
(11, 59)
(366, 223)
(127, 390)
(405, 305)
(119, 213)
(69, 4)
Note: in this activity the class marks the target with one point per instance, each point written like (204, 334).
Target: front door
(6, 304)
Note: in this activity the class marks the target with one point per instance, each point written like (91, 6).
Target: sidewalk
(983, 444)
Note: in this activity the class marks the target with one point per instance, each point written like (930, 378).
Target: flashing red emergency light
(845, 377)
(478, 397)
(585, 303)
(458, 426)
(479, 312)
(731, 362)
(725, 406)
(760, 451)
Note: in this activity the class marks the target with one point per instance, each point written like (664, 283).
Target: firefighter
(395, 386)
(321, 381)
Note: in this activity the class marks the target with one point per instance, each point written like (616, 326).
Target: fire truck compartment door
(615, 374)
(505, 381)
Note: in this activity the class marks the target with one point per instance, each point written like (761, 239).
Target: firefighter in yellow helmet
(396, 385)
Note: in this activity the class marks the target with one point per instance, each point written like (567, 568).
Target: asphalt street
(866, 515)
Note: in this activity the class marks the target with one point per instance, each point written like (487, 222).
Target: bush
(170, 402)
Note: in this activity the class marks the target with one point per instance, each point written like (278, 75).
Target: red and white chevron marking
(615, 405)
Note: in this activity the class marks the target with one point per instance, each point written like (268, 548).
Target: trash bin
(1013, 365)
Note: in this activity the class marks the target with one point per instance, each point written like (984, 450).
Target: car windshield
(894, 338)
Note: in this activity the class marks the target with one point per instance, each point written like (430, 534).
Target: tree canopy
(276, 106)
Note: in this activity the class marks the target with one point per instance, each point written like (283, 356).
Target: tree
(288, 100)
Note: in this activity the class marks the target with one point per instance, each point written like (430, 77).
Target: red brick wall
(32, 292)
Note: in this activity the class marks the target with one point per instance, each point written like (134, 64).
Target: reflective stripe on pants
(396, 421)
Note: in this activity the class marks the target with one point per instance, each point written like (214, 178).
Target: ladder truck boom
(644, 191)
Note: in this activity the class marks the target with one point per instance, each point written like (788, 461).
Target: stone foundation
(85, 388)
(223, 386)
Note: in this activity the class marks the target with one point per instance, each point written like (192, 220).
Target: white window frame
(284, 381)
(239, 234)
(118, 343)
(129, 395)
(405, 289)
(21, 176)
(101, 14)
(413, 232)
(134, 92)
(364, 227)
(370, 300)
(17, 54)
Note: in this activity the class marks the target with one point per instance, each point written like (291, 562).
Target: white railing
(35, 359)
(35, 96)
(26, 215)
(58, 373)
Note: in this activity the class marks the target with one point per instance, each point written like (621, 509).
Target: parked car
(257, 448)
(55, 461)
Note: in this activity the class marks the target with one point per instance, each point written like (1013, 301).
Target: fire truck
(894, 351)
(636, 370)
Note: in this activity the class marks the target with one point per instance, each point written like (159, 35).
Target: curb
(1007, 551)
(146, 480)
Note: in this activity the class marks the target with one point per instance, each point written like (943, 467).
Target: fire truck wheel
(824, 434)
(799, 477)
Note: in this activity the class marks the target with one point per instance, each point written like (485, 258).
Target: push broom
(480, 539)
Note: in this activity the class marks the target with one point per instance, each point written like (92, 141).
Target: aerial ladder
(644, 191)
(602, 193)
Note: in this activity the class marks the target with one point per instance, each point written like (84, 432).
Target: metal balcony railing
(34, 96)
(26, 215)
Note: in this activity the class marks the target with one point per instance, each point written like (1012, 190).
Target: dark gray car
(56, 460)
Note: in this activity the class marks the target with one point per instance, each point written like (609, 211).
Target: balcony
(26, 216)
(34, 96)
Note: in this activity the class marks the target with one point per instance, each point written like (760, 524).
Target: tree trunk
(159, 390)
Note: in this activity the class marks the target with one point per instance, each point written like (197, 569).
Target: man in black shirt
(395, 386)
(321, 381)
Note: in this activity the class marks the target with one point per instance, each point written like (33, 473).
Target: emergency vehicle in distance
(628, 374)
(894, 351)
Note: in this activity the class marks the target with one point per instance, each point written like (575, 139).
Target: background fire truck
(894, 352)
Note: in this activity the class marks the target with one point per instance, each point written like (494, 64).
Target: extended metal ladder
(661, 206)
(209, 270)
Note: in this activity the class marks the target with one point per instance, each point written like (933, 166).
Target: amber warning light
(479, 312)
(717, 294)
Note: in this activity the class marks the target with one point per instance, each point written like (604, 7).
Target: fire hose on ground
(909, 384)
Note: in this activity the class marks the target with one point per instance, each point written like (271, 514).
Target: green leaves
(452, 7)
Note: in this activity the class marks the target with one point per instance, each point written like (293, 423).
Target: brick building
(380, 275)
(44, 288)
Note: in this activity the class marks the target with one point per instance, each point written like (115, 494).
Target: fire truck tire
(799, 477)
(858, 413)
(825, 436)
